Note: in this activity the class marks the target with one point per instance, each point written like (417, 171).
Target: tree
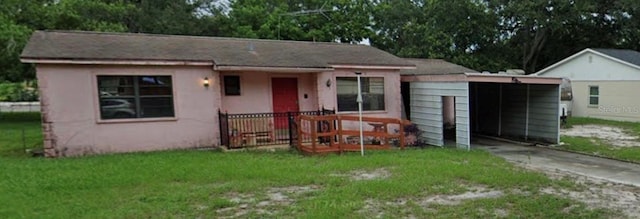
(488, 35)
(317, 20)
(30, 13)
(183, 17)
(90, 15)
(13, 38)
(462, 31)
(544, 32)
(20, 17)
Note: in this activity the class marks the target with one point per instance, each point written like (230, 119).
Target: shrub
(413, 135)
(17, 92)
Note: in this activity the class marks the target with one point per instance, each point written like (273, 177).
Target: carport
(453, 108)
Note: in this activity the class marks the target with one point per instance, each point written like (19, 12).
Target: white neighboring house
(605, 83)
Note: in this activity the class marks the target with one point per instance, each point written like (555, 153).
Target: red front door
(285, 98)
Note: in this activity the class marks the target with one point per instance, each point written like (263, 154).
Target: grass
(599, 147)
(190, 184)
(19, 131)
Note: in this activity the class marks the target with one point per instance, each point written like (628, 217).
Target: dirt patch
(265, 205)
(611, 135)
(599, 193)
(357, 175)
(475, 192)
(241, 198)
(376, 209)
(595, 193)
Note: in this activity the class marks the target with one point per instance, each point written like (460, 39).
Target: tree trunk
(532, 50)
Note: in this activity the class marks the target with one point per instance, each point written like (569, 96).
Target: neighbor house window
(372, 93)
(231, 85)
(135, 97)
(594, 95)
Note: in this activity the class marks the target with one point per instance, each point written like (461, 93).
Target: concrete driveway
(552, 160)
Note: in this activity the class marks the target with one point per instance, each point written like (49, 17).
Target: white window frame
(597, 96)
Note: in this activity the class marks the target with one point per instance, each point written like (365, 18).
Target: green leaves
(452, 30)
(543, 32)
(313, 20)
(89, 15)
(13, 37)
(20, 18)
(496, 35)
(490, 35)
(17, 92)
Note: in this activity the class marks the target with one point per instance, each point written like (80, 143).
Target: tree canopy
(486, 35)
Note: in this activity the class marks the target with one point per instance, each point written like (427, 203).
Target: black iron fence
(257, 129)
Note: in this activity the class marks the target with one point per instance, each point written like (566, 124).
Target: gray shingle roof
(77, 45)
(435, 67)
(626, 55)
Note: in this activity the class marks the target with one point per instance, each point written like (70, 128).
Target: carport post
(477, 124)
(526, 124)
(500, 112)
(558, 115)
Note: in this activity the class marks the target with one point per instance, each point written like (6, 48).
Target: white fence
(19, 106)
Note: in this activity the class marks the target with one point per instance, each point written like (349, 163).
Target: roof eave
(270, 68)
(502, 78)
(373, 67)
(545, 70)
(434, 78)
(113, 62)
(478, 77)
(434, 73)
(615, 59)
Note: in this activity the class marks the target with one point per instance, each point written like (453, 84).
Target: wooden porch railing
(336, 133)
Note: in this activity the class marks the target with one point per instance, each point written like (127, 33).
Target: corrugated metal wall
(426, 110)
(496, 109)
(544, 117)
(504, 110)
(514, 110)
(486, 112)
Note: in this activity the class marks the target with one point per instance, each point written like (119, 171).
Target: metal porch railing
(259, 129)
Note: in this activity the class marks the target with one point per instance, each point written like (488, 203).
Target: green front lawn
(202, 183)
(19, 132)
(209, 184)
(601, 147)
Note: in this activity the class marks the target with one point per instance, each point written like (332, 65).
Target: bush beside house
(18, 92)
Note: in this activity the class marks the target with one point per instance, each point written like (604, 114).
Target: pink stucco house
(121, 92)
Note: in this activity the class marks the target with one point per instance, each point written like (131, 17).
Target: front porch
(260, 108)
(311, 132)
(261, 129)
(336, 134)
